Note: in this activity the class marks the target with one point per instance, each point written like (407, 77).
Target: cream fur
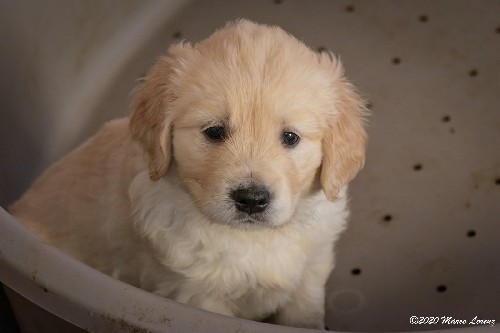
(146, 200)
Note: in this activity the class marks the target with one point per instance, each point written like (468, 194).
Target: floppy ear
(345, 139)
(151, 118)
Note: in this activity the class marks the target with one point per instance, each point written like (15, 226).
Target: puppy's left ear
(152, 114)
(344, 143)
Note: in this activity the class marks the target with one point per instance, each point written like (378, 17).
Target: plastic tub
(424, 237)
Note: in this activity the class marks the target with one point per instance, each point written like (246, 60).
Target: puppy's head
(255, 121)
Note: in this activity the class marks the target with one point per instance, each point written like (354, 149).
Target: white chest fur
(247, 273)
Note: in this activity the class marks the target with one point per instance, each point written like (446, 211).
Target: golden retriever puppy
(226, 188)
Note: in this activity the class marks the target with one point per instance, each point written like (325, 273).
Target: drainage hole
(396, 60)
(177, 34)
(471, 233)
(441, 288)
(321, 49)
(473, 73)
(423, 18)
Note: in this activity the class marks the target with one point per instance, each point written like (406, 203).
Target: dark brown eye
(290, 139)
(215, 133)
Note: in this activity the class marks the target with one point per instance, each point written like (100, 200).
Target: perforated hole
(423, 18)
(471, 233)
(452, 130)
(349, 8)
(497, 181)
(417, 167)
(441, 288)
(278, 2)
(387, 218)
(446, 119)
(396, 60)
(473, 73)
(497, 30)
(177, 34)
(356, 271)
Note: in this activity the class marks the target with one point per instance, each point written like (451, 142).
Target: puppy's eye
(290, 139)
(215, 132)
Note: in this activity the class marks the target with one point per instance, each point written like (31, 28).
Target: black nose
(252, 199)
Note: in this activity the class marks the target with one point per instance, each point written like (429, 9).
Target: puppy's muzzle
(251, 199)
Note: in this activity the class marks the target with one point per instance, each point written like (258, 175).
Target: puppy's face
(248, 148)
(255, 120)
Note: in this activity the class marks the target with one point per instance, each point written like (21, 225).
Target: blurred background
(424, 237)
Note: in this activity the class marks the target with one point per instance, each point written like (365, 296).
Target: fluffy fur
(147, 200)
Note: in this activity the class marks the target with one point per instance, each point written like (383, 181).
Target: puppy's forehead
(267, 76)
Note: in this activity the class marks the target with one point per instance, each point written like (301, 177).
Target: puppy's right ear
(151, 114)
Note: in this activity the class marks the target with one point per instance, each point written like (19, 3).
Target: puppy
(226, 188)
